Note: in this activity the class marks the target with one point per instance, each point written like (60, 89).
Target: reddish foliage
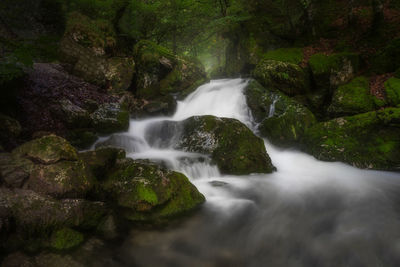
(377, 85)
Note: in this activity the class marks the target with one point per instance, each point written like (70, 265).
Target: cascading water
(272, 107)
(308, 213)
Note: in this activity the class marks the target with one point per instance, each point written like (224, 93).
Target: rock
(277, 75)
(10, 129)
(392, 90)
(231, 145)
(18, 259)
(56, 171)
(388, 58)
(329, 72)
(121, 141)
(147, 192)
(353, 98)
(109, 118)
(369, 140)
(73, 115)
(81, 138)
(46, 259)
(47, 150)
(101, 160)
(285, 123)
(35, 215)
(160, 75)
(65, 238)
(14, 171)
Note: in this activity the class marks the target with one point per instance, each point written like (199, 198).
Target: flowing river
(308, 213)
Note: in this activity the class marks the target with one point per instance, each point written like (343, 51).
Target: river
(307, 213)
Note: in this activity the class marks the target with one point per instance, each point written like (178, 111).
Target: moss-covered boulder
(57, 171)
(388, 58)
(329, 72)
(353, 98)
(65, 238)
(232, 146)
(109, 118)
(369, 140)
(47, 150)
(280, 118)
(392, 90)
(161, 73)
(81, 138)
(36, 216)
(147, 192)
(289, 55)
(101, 160)
(73, 115)
(277, 75)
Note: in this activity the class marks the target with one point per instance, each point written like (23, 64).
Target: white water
(308, 213)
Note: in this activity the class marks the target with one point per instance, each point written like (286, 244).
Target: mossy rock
(35, 216)
(47, 150)
(73, 115)
(289, 55)
(392, 90)
(66, 238)
(329, 72)
(388, 58)
(277, 75)
(81, 138)
(63, 179)
(353, 98)
(160, 73)
(369, 140)
(102, 160)
(147, 192)
(14, 171)
(109, 118)
(286, 125)
(232, 146)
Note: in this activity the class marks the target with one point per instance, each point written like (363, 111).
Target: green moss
(321, 63)
(392, 89)
(290, 55)
(65, 239)
(353, 98)
(368, 140)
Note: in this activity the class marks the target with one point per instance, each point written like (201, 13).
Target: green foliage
(290, 55)
(392, 88)
(66, 238)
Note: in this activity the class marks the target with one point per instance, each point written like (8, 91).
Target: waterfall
(308, 213)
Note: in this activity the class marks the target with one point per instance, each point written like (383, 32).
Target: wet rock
(353, 98)
(18, 259)
(160, 75)
(121, 141)
(329, 72)
(65, 238)
(146, 192)
(56, 169)
(109, 118)
(369, 140)
(56, 260)
(14, 171)
(231, 145)
(392, 90)
(73, 115)
(101, 160)
(286, 77)
(281, 119)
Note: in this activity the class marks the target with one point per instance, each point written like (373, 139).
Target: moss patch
(392, 89)
(65, 239)
(290, 55)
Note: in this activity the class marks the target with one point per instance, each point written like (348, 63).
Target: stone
(109, 118)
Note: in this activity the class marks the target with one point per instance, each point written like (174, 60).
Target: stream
(307, 213)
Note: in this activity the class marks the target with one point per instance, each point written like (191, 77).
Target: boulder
(73, 115)
(161, 74)
(232, 146)
(353, 98)
(65, 238)
(281, 119)
(55, 168)
(283, 76)
(369, 140)
(101, 160)
(109, 118)
(14, 171)
(329, 72)
(392, 90)
(147, 192)
(34, 215)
